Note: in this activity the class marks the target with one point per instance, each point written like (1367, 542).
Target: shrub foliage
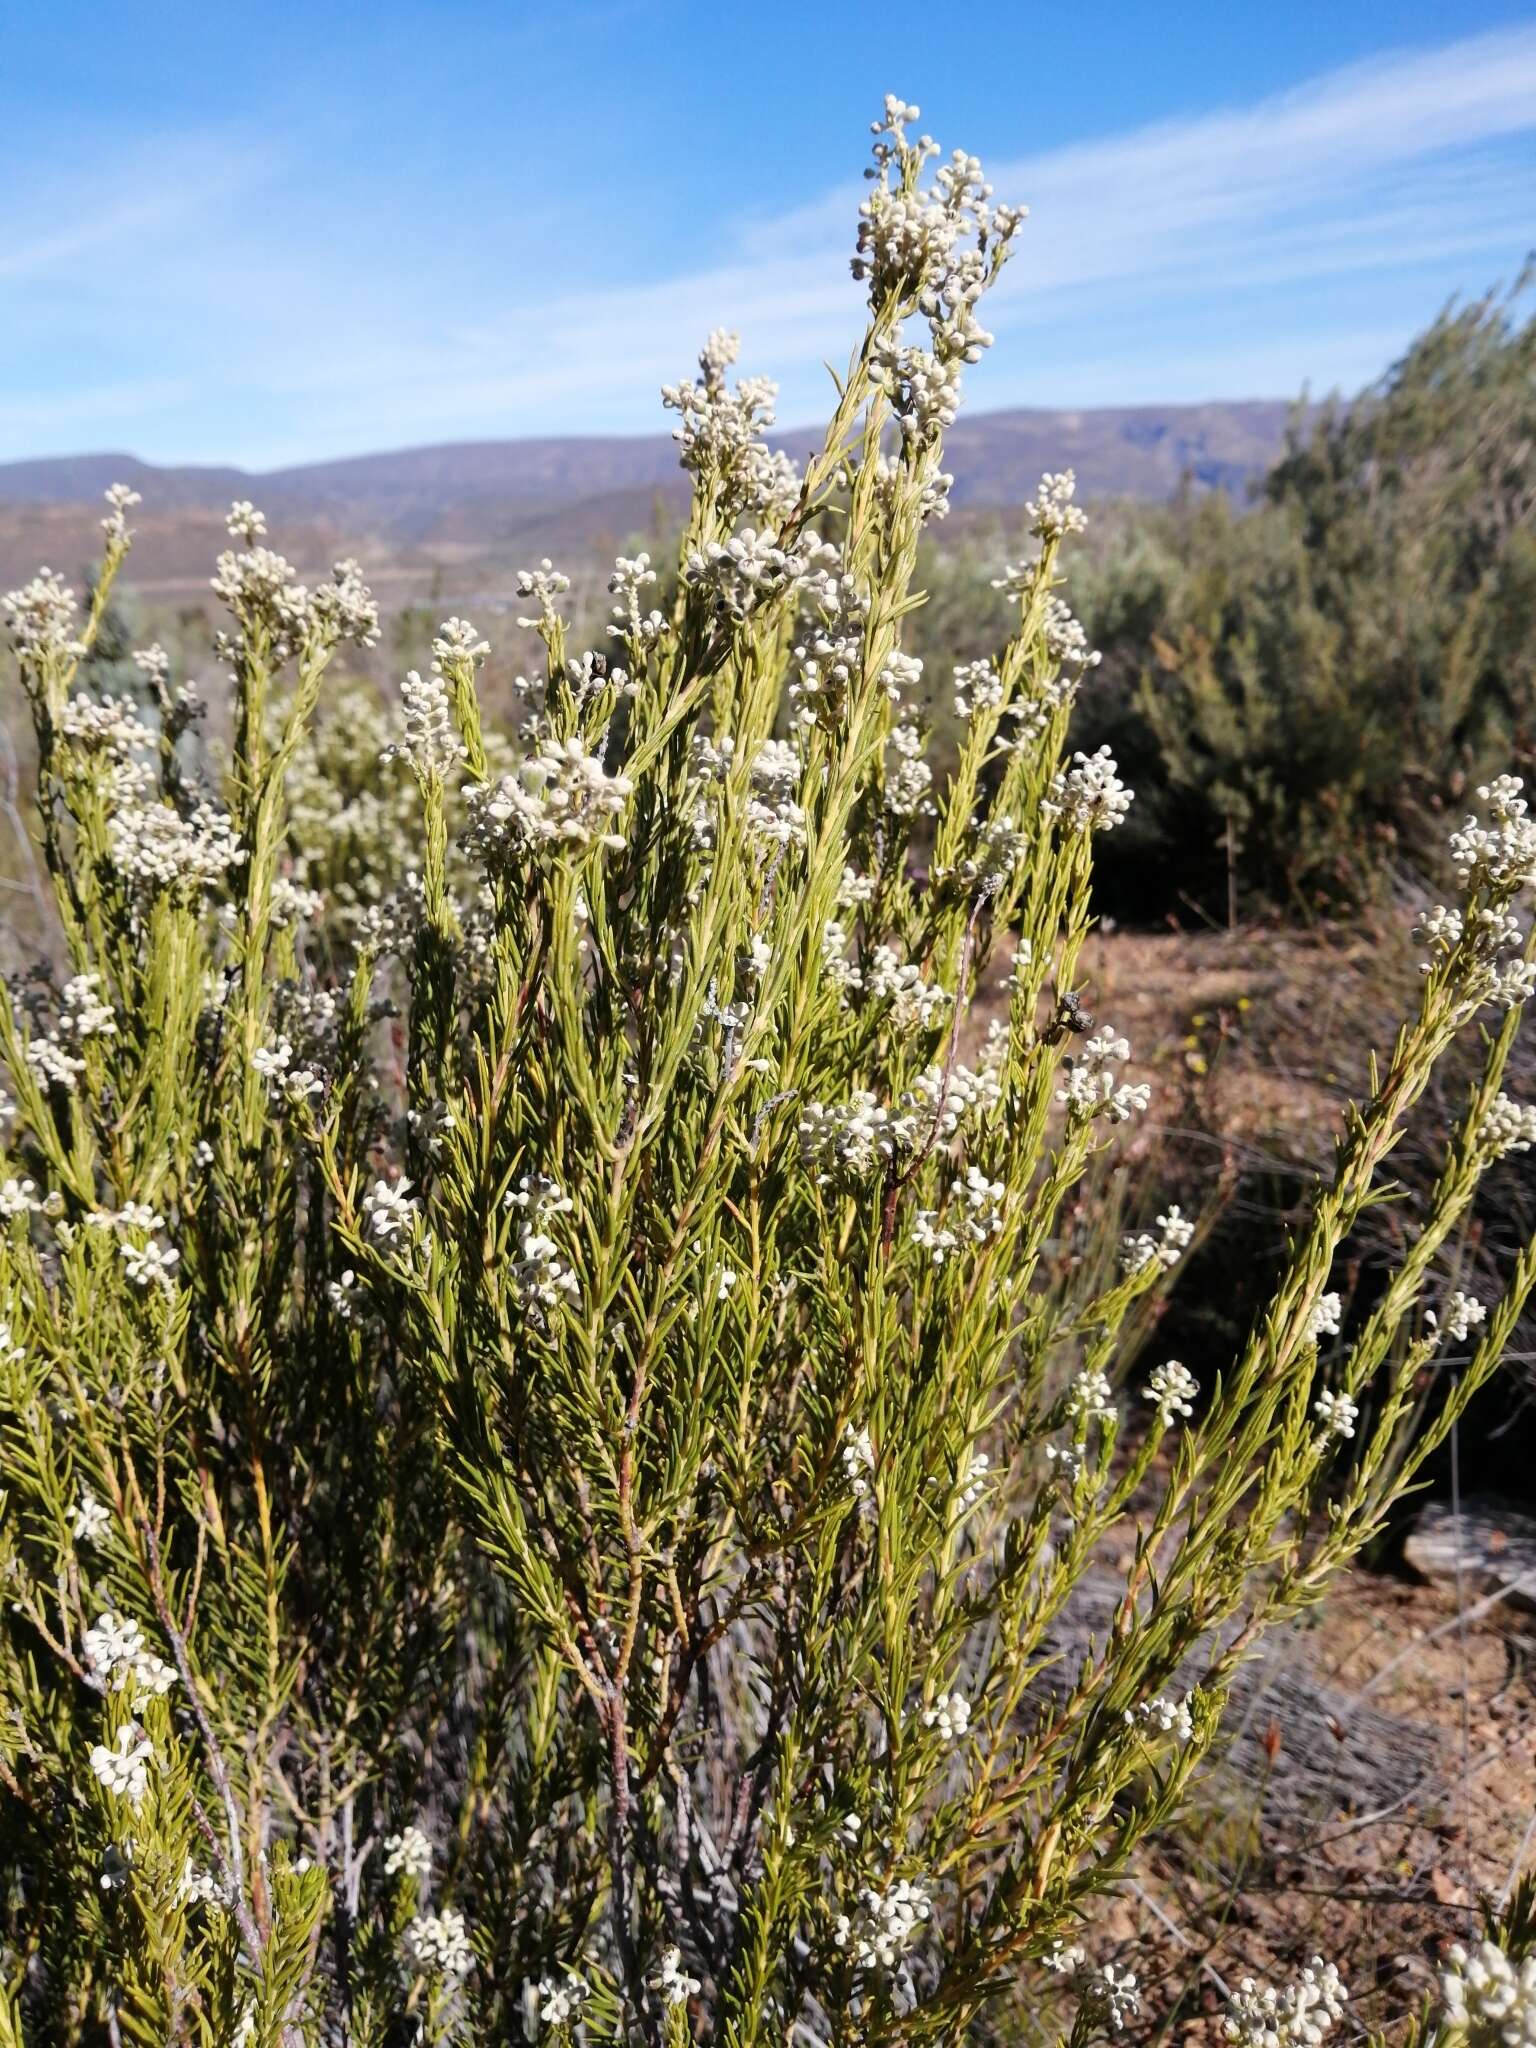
(547, 1419)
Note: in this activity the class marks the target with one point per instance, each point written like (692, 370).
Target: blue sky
(270, 234)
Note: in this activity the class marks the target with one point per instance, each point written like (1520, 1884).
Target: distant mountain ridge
(409, 494)
(457, 518)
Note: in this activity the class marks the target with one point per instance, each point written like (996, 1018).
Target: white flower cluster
(1499, 857)
(243, 522)
(275, 1065)
(938, 248)
(740, 574)
(84, 1014)
(946, 1105)
(916, 1005)
(540, 1198)
(258, 587)
(430, 744)
(632, 575)
(1163, 1716)
(853, 1137)
(886, 1924)
(157, 850)
(124, 1768)
(1172, 1389)
(1089, 796)
(1336, 1413)
(858, 1456)
(1323, 1319)
(200, 1887)
(105, 725)
(933, 1237)
(437, 1945)
(1140, 1249)
(950, 1714)
(978, 687)
(1300, 2016)
(1054, 518)
(1053, 515)
(1489, 939)
(979, 1204)
(978, 1474)
(996, 853)
(291, 903)
(720, 433)
(115, 1652)
(1092, 1087)
(1509, 1126)
(121, 498)
(838, 969)
(457, 641)
(391, 1210)
(553, 2002)
(1463, 1314)
(408, 1854)
(150, 1265)
(909, 780)
(40, 619)
(18, 1198)
(90, 1520)
(540, 1275)
(830, 659)
(1065, 640)
(1089, 1398)
(546, 584)
(1112, 1994)
(1490, 1996)
(773, 814)
(560, 798)
(900, 675)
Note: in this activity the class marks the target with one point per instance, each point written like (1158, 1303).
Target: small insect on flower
(672, 1980)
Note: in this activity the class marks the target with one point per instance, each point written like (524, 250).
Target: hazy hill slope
(414, 511)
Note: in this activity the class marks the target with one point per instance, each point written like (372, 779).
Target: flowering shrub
(541, 1461)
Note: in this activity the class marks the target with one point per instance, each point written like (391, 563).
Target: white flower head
(1301, 2015)
(1490, 1995)
(1172, 1389)
(1336, 1413)
(1324, 1318)
(408, 1853)
(437, 1945)
(950, 1714)
(90, 1521)
(124, 1769)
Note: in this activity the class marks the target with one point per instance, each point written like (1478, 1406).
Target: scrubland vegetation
(568, 1334)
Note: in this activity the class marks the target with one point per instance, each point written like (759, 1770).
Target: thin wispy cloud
(1301, 237)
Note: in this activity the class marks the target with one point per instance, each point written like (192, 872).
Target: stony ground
(1251, 1041)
